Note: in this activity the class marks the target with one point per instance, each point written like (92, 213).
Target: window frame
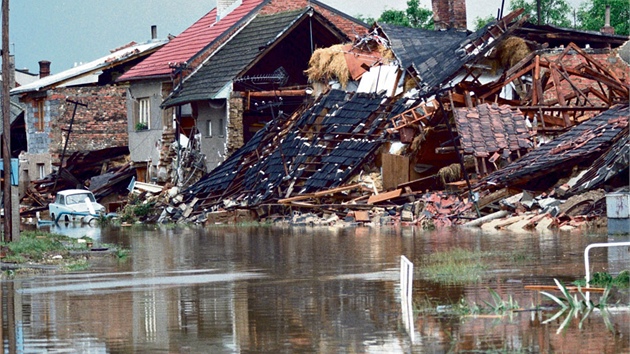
(142, 113)
(41, 114)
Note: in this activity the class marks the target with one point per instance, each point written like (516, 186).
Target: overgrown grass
(461, 266)
(457, 266)
(42, 248)
(37, 245)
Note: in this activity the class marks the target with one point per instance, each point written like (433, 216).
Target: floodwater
(308, 290)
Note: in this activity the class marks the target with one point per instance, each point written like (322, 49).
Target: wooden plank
(569, 288)
(319, 194)
(384, 196)
(395, 170)
(493, 197)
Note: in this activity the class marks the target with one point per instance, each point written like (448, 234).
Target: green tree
(552, 12)
(481, 22)
(368, 20)
(414, 16)
(591, 15)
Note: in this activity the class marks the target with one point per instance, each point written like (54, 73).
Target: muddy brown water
(307, 290)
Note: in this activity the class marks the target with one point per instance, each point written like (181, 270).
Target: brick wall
(348, 27)
(449, 14)
(101, 125)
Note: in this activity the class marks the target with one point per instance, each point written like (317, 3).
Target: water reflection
(288, 290)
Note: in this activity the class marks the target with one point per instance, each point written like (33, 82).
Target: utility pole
(6, 125)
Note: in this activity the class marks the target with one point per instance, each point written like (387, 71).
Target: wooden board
(395, 170)
(569, 288)
(384, 196)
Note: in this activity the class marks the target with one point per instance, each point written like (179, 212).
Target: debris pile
(514, 152)
(105, 172)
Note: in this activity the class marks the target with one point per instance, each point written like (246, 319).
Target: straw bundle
(511, 51)
(450, 173)
(328, 63)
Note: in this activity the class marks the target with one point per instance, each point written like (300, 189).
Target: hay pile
(511, 51)
(450, 173)
(328, 64)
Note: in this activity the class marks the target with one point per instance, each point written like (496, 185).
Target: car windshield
(79, 198)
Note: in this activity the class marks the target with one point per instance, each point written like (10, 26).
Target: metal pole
(6, 121)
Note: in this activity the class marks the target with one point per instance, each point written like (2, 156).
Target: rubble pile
(475, 153)
(105, 172)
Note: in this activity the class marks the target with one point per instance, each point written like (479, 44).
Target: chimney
(44, 68)
(449, 14)
(153, 32)
(607, 29)
(224, 7)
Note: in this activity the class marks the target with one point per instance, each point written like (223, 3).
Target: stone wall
(235, 123)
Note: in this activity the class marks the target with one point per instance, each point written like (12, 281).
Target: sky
(66, 32)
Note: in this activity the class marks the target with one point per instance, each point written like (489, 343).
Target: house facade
(215, 122)
(80, 109)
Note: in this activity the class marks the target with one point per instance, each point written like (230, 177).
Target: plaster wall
(145, 145)
(212, 122)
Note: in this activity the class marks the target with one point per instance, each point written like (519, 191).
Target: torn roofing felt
(436, 57)
(583, 143)
(317, 149)
(238, 53)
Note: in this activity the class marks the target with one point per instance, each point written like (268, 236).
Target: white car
(75, 205)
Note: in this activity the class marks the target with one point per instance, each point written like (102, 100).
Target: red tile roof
(183, 47)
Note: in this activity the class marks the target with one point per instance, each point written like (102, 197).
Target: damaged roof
(557, 36)
(488, 129)
(437, 56)
(206, 31)
(317, 149)
(81, 72)
(581, 144)
(255, 39)
(430, 53)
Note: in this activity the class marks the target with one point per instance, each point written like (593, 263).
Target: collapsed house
(79, 111)
(444, 137)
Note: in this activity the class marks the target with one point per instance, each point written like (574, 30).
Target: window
(142, 112)
(209, 128)
(41, 170)
(41, 114)
(221, 128)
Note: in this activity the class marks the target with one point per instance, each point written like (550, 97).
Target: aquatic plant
(501, 306)
(574, 306)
